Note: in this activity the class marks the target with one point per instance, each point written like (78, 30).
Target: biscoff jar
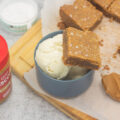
(5, 71)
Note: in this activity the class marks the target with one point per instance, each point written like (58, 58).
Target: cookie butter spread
(5, 73)
(49, 57)
(111, 84)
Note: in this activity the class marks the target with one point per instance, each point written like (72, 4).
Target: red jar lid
(4, 54)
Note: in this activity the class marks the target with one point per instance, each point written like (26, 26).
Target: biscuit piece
(118, 50)
(104, 4)
(82, 15)
(81, 48)
(61, 25)
(114, 10)
(111, 83)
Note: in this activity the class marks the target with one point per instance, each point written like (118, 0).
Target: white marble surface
(23, 103)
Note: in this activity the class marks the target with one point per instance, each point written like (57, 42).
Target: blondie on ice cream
(49, 57)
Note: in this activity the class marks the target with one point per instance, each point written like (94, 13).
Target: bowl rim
(51, 35)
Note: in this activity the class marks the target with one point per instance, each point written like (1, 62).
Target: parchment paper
(94, 101)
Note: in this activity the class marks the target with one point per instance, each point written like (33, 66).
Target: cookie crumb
(61, 25)
(111, 20)
(118, 50)
(100, 43)
(106, 67)
(114, 55)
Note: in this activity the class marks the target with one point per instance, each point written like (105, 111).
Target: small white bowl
(20, 27)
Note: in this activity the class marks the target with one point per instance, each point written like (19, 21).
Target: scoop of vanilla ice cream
(49, 57)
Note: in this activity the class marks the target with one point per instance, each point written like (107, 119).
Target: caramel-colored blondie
(114, 9)
(82, 15)
(110, 8)
(81, 48)
(104, 4)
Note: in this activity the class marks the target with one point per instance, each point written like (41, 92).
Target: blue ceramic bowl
(62, 88)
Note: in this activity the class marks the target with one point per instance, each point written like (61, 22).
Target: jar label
(5, 83)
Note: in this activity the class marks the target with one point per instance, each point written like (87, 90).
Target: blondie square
(81, 48)
(82, 15)
(114, 9)
(104, 4)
